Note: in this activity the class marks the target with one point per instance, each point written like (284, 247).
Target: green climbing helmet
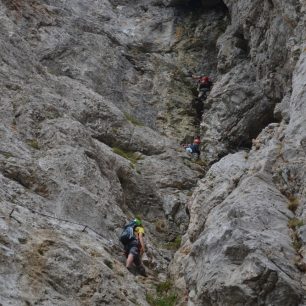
(137, 221)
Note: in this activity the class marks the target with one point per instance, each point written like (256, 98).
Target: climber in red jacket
(204, 85)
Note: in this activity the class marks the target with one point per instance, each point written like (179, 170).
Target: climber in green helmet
(132, 239)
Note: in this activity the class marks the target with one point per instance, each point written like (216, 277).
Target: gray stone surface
(95, 102)
(245, 241)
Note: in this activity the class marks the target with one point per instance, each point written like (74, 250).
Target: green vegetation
(169, 300)
(294, 223)
(174, 245)
(132, 119)
(163, 287)
(34, 144)
(165, 295)
(293, 203)
(131, 156)
(6, 154)
(296, 242)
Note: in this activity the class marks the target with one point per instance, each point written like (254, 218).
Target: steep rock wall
(257, 54)
(65, 193)
(245, 241)
(83, 80)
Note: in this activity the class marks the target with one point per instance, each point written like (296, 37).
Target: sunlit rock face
(95, 102)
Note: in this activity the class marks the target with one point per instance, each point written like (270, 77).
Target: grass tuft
(168, 300)
(6, 154)
(294, 223)
(165, 295)
(296, 242)
(132, 119)
(34, 144)
(164, 287)
(174, 245)
(131, 156)
(293, 203)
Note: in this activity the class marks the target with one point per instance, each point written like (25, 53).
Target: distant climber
(204, 86)
(132, 238)
(194, 148)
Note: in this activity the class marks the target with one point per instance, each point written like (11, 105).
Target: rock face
(78, 152)
(244, 244)
(96, 98)
(257, 54)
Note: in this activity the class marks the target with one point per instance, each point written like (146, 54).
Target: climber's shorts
(133, 249)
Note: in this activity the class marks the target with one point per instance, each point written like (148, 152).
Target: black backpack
(127, 234)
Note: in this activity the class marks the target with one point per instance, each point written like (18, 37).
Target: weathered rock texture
(80, 82)
(95, 100)
(245, 243)
(257, 54)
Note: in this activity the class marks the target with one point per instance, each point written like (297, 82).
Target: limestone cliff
(246, 229)
(96, 100)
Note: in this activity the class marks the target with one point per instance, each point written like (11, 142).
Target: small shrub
(168, 300)
(174, 245)
(294, 223)
(131, 156)
(34, 144)
(165, 295)
(163, 287)
(132, 119)
(293, 203)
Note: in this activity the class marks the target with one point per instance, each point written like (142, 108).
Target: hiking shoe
(132, 270)
(142, 271)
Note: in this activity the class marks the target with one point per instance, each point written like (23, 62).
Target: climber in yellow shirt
(135, 248)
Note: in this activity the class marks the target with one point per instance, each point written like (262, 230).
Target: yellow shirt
(139, 230)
